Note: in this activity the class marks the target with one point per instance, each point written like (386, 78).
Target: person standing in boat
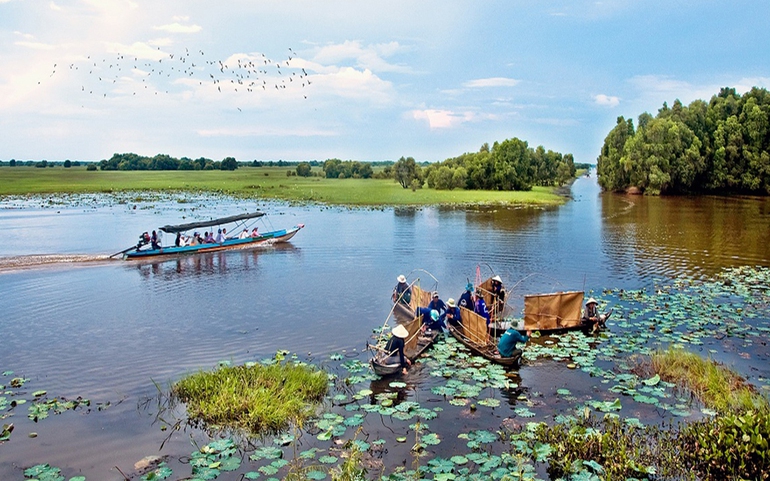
(396, 344)
(498, 296)
(507, 344)
(481, 306)
(466, 299)
(452, 314)
(178, 240)
(154, 240)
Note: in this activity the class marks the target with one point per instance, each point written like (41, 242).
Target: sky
(373, 80)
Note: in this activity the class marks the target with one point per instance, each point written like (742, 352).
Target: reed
(263, 399)
(713, 384)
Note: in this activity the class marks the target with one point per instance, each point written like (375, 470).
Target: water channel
(110, 330)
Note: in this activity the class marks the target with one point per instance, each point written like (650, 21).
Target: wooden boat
(472, 333)
(556, 312)
(143, 251)
(386, 363)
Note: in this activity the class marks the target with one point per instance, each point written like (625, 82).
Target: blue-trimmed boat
(145, 250)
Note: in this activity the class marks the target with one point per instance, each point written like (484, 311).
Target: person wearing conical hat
(592, 316)
(452, 314)
(396, 344)
(402, 293)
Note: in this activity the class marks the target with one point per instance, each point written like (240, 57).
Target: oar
(122, 252)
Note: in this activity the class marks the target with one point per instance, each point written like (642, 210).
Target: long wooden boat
(556, 312)
(472, 333)
(264, 239)
(386, 363)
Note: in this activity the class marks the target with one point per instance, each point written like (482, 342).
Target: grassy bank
(713, 384)
(258, 398)
(262, 182)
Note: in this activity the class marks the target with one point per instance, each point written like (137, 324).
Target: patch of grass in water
(713, 384)
(261, 399)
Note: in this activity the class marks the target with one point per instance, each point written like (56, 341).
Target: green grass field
(255, 182)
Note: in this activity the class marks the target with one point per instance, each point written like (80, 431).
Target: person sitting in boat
(480, 307)
(402, 293)
(396, 344)
(220, 238)
(452, 314)
(154, 240)
(196, 240)
(592, 316)
(144, 239)
(244, 234)
(208, 238)
(437, 304)
(466, 299)
(254, 232)
(506, 346)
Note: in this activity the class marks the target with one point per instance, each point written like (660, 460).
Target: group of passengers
(207, 238)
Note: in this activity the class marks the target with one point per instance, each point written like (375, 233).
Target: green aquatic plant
(259, 398)
(713, 384)
(729, 446)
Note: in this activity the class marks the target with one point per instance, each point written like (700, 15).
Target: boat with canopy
(145, 250)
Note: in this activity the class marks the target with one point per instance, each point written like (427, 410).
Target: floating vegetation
(257, 397)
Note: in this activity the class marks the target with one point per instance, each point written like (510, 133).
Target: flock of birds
(244, 75)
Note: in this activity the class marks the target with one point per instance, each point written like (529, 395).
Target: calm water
(107, 331)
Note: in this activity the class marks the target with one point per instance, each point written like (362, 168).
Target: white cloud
(137, 49)
(368, 57)
(55, 7)
(28, 36)
(177, 27)
(447, 119)
(606, 100)
(491, 82)
(35, 45)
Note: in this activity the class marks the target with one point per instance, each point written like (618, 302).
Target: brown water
(111, 330)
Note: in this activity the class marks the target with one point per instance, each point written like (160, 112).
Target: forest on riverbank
(720, 146)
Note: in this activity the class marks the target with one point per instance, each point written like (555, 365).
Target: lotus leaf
(441, 465)
(266, 452)
(328, 459)
(315, 475)
(431, 439)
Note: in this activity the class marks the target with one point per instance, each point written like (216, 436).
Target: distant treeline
(719, 146)
(508, 165)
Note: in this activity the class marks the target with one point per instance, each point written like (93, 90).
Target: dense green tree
(12, 163)
(408, 173)
(229, 163)
(304, 169)
(722, 145)
(67, 164)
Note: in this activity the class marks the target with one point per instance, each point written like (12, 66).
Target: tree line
(508, 165)
(718, 146)
(131, 161)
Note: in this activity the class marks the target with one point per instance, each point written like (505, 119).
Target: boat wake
(36, 260)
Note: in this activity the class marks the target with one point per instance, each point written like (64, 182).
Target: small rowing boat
(385, 363)
(473, 333)
(146, 250)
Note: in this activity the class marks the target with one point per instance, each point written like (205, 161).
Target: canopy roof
(173, 229)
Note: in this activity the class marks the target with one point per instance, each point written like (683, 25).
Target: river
(110, 330)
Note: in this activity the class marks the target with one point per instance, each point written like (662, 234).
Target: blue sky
(424, 79)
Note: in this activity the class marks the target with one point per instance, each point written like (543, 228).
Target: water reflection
(684, 236)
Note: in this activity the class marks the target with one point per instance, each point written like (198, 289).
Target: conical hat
(400, 331)
(591, 300)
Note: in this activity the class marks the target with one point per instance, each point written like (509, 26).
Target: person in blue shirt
(481, 307)
(430, 319)
(452, 314)
(437, 304)
(466, 299)
(507, 344)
